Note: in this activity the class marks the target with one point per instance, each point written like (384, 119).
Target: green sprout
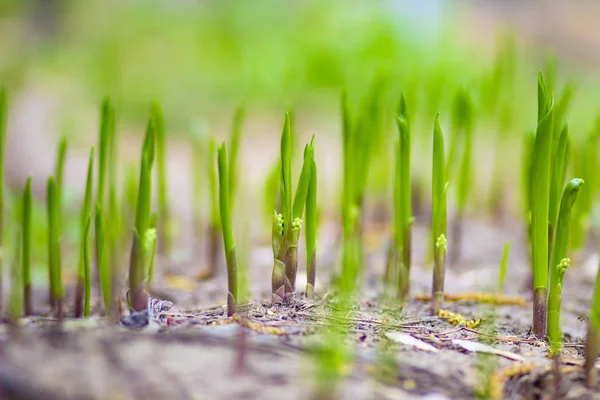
(60, 166)
(115, 228)
(560, 262)
(540, 192)
(403, 210)
(585, 166)
(137, 267)
(311, 231)
(286, 226)
(82, 291)
(234, 144)
(462, 122)
(164, 223)
(150, 246)
(3, 118)
(16, 294)
(503, 267)
(56, 290)
(438, 217)
(225, 211)
(214, 223)
(26, 248)
(357, 152)
(559, 171)
(107, 126)
(103, 264)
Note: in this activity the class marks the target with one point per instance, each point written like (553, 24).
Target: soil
(269, 351)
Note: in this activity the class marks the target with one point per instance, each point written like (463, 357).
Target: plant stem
(540, 192)
(234, 144)
(560, 262)
(225, 211)
(311, 231)
(137, 266)
(103, 266)
(503, 267)
(164, 220)
(3, 118)
(56, 291)
(438, 217)
(403, 213)
(82, 294)
(26, 248)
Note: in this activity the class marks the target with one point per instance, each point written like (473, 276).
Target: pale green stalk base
(540, 298)
(231, 282)
(138, 296)
(311, 274)
(439, 272)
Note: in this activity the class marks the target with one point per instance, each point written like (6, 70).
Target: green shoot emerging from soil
(103, 264)
(137, 266)
(164, 224)
(3, 116)
(438, 217)
(107, 115)
(56, 290)
(560, 262)
(540, 192)
(311, 231)
(559, 171)
(286, 226)
(214, 223)
(463, 124)
(26, 248)
(16, 294)
(225, 211)
(234, 145)
(403, 210)
(82, 291)
(60, 167)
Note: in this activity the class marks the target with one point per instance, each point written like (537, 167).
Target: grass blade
(56, 290)
(560, 262)
(540, 192)
(311, 231)
(225, 211)
(438, 217)
(137, 266)
(82, 290)
(26, 247)
(103, 266)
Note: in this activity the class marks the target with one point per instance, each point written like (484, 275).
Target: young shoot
(3, 117)
(150, 247)
(56, 290)
(234, 145)
(26, 248)
(103, 264)
(540, 193)
(463, 124)
(214, 222)
(164, 222)
(137, 267)
(560, 262)
(83, 288)
(403, 210)
(438, 217)
(287, 224)
(557, 182)
(229, 244)
(311, 231)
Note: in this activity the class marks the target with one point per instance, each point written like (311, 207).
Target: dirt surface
(269, 351)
